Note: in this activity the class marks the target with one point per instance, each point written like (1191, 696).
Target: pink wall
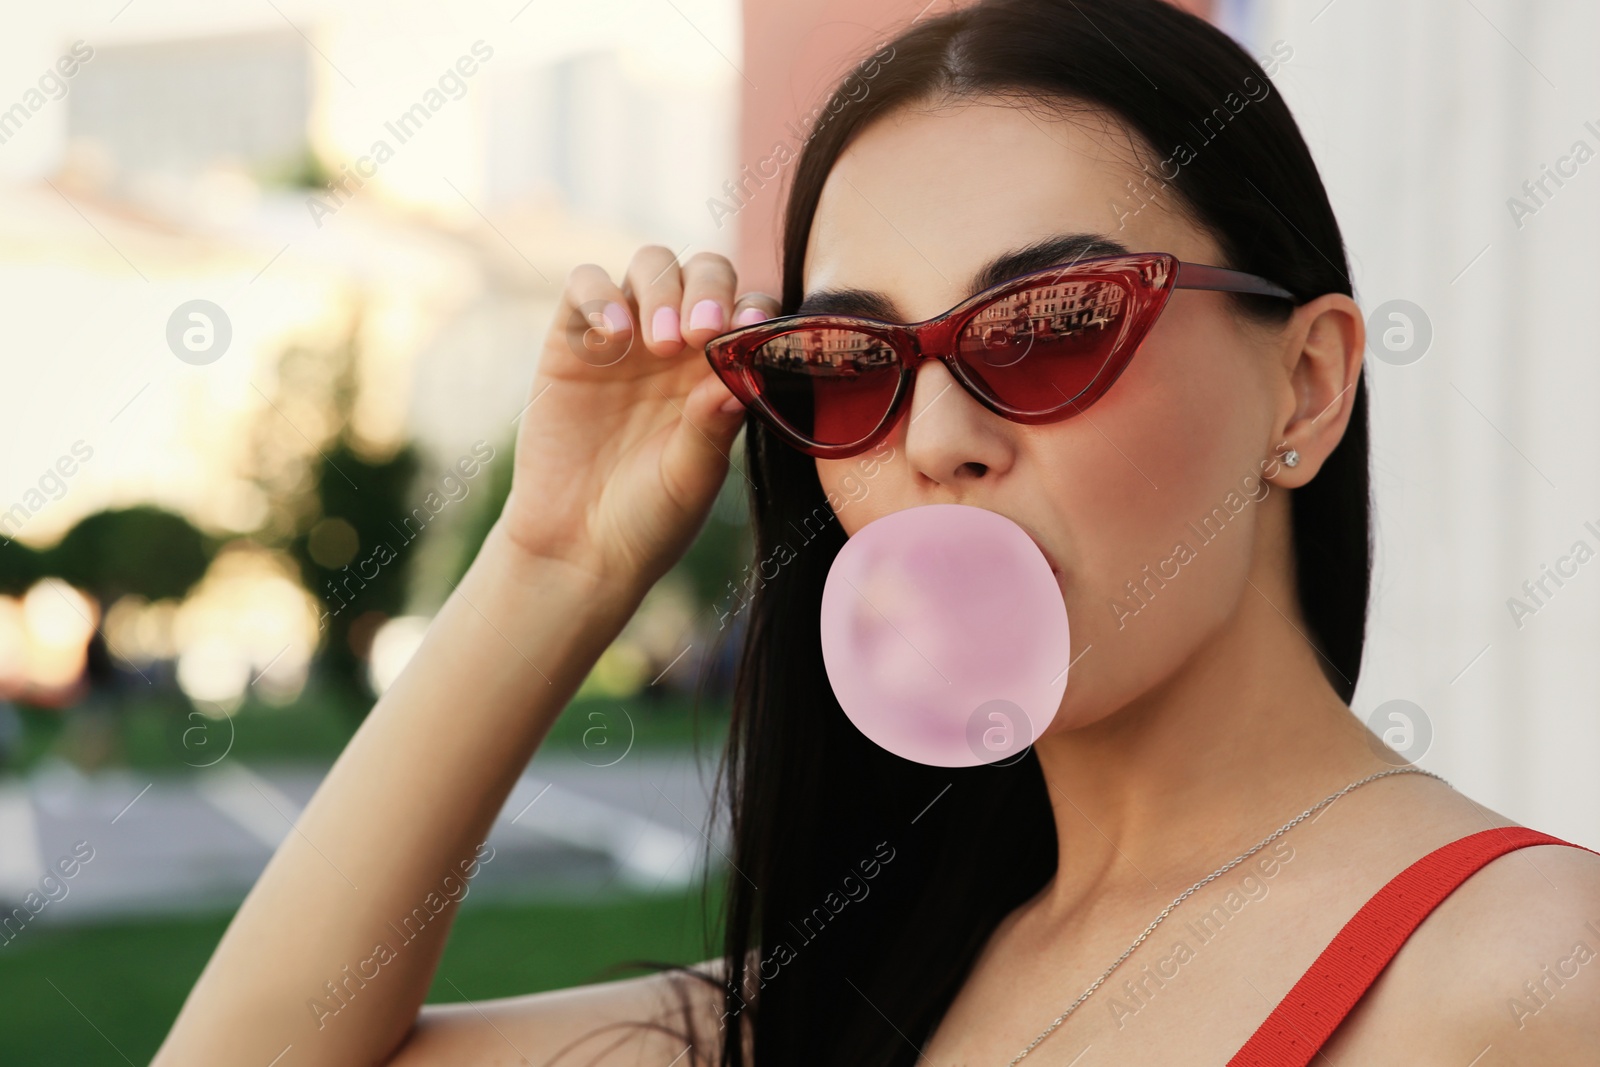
(794, 53)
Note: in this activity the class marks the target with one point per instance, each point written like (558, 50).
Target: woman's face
(921, 203)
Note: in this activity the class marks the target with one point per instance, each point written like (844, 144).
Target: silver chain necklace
(1207, 880)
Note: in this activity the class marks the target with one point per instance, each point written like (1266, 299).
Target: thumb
(697, 453)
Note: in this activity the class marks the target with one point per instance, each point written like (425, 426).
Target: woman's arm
(648, 1020)
(397, 823)
(620, 453)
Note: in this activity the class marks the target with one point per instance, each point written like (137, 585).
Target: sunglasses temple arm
(1226, 280)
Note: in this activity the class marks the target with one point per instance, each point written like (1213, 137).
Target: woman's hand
(621, 450)
(625, 440)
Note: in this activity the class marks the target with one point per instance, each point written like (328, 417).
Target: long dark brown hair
(862, 886)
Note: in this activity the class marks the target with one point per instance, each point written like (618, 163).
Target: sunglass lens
(1041, 347)
(830, 386)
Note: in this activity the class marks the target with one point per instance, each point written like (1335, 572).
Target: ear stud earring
(1291, 458)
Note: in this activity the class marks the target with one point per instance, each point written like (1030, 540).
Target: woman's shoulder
(628, 1021)
(1505, 969)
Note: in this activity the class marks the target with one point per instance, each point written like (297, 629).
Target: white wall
(1425, 116)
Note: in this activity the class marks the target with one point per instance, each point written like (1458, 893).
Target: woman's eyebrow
(1063, 248)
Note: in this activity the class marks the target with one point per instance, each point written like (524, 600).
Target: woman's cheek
(1161, 541)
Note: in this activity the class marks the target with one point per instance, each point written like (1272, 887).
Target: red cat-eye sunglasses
(1037, 348)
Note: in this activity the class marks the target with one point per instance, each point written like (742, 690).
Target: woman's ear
(1323, 343)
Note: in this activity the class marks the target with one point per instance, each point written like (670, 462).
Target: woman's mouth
(1055, 568)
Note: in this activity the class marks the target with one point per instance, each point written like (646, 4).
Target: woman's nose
(950, 437)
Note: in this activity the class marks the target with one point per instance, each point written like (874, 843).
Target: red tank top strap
(1306, 1017)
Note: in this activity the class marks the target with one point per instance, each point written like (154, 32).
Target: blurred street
(172, 843)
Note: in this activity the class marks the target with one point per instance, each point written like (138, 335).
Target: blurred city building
(386, 232)
(384, 199)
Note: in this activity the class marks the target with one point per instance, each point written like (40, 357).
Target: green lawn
(91, 995)
(106, 994)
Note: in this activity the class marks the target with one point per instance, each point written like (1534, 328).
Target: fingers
(662, 307)
(754, 307)
(684, 306)
(595, 317)
(670, 309)
(655, 280)
(708, 281)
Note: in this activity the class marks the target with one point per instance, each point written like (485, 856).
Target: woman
(882, 911)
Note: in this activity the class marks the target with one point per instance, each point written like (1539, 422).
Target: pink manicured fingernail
(617, 318)
(748, 317)
(706, 315)
(664, 325)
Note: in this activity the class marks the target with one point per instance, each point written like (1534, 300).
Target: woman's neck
(1245, 735)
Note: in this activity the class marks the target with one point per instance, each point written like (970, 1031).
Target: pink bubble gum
(945, 636)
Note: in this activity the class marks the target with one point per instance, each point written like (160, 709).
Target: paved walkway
(189, 842)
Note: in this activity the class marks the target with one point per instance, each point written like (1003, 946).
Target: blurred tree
(142, 551)
(485, 510)
(355, 557)
(725, 544)
(20, 567)
(145, 551)
(303, 171)
(716, 557)
(305, 421)
(337, 502)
